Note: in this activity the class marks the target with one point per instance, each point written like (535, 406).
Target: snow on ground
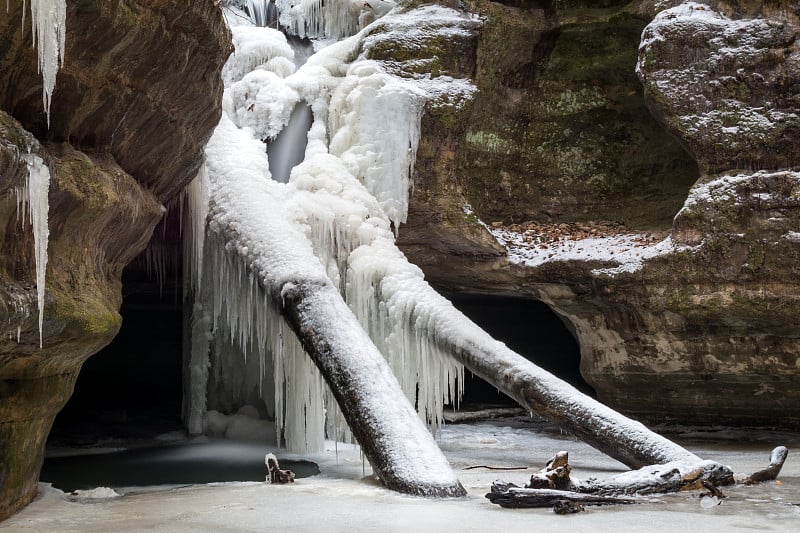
(342, 499)
(792, 236)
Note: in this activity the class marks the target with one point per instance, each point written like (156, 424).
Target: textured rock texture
(563, 131)
(133, 107)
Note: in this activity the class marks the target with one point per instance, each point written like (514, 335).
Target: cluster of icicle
(333, 222)
(321, 19)
(48, 21)
(33, 198)
(48, 25)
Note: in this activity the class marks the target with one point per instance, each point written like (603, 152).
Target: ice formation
(33, 197)
(320, 19)
(333, 222)
(48, 25)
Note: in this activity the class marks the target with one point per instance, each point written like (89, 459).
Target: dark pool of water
(173, 464)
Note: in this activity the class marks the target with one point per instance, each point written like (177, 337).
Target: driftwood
(518, 498)
(553, 484)
(276, 475)
(776, 460)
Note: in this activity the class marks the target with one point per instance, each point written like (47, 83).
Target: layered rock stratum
(135, 101)
(634, 166)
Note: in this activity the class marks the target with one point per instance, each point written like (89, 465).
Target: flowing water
(289, 147)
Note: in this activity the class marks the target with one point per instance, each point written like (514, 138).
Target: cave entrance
(529, 327)
(131, 389)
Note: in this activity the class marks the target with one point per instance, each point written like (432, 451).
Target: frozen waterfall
(332, 221)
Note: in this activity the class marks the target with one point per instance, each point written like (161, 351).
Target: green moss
(561, 111)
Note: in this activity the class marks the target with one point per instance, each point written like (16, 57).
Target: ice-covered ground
(343, 499)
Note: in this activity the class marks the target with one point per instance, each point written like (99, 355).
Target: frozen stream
(342, 499)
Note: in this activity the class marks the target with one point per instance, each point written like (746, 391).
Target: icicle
(33, 197)
(321, 19)
(48, 22)
(196, 213)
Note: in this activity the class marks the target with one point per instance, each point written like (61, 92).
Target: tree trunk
(399, 447)
(626, 440)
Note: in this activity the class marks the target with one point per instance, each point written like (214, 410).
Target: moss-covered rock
(727, 88)
(138, 95)
(100, 218)
(561, 131)
(140, 80)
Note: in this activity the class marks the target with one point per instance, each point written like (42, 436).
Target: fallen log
(553, 483)
(522, 498)
(553, 486)
(535, 389)
(399, 447)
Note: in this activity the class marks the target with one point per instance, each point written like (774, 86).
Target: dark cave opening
(132, 389)
(529, 327)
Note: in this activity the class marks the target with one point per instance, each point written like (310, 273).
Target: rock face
(562, 131)
(133, 106)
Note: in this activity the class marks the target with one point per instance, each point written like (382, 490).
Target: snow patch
(792, 236)
(629, 251)
(99, 493)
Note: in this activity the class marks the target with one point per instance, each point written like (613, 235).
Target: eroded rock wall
(702, 148)
(134, 103)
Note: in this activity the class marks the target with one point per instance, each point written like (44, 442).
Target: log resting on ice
(400, 448)
(535, 389)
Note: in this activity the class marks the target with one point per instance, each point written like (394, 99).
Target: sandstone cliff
(134, 103)
(582, 169)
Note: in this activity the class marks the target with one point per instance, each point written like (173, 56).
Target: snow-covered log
(776, 460)
(626, 440)
(400, 449)
(553, 483)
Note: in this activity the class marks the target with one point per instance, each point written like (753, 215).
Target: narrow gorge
(627, 166)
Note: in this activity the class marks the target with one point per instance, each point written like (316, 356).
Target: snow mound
(99, 493)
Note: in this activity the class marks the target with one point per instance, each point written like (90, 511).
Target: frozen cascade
(263, 12)
(332, 221)
(321, 19)
(48, 24)
(33, 196)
